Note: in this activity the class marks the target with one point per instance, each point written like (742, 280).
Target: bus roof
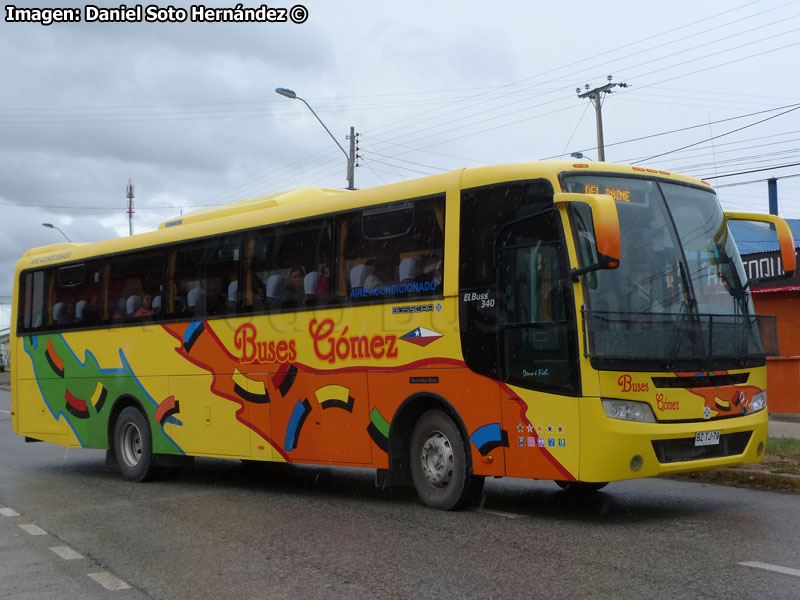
(252, 204)
(278, 207)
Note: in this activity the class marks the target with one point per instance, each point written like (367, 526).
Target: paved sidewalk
(784, 425)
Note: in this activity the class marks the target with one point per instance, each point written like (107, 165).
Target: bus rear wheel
(440, 463)
(133, 445)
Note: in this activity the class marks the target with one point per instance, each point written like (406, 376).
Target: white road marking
(500, 513)
(66, 552)
(8, 512)
(8, 412)
(33, 529)
(109, 581)
(774, 568)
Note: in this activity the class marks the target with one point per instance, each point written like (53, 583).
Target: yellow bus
(582, 323)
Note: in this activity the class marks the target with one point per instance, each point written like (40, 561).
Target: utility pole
(595, 96)
(129, 196)
(351, 159)
(772, 190)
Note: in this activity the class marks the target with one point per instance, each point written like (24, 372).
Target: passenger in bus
(119, 308)
(324, 284)
(132, 305)
(91, 311)
(297, 277)
(214, 299)
(259, 294)
(146, 308)
(383, 272)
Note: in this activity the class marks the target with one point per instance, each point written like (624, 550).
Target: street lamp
(350, 162)
(51, 226)
(579, 155)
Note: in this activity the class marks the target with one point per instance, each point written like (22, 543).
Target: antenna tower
(129, 195)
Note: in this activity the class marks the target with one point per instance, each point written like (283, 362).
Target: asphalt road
(229, 531)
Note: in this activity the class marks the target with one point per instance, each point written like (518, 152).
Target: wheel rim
(131, 445)
(437, 460)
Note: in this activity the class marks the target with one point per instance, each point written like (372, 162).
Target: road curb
(752, 478)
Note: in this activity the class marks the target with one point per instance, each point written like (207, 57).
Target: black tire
(133, 445)
(441, 466)
(581, 487)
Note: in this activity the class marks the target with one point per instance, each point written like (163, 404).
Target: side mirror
(785, 237)
(606, 229)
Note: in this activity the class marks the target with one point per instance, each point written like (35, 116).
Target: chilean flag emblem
(421, 336)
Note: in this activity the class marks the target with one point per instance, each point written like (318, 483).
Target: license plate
(706, 438)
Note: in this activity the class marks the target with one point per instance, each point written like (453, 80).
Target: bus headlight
(628, 410)
(759, 402)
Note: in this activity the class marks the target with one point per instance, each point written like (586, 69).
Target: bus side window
(392, 251)
(288, 267)
(203, 274)
(134, 281)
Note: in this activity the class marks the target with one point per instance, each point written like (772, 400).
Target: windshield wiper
(687, 285)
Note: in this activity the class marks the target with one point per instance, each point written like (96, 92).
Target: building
(4, 347)
(777, 296)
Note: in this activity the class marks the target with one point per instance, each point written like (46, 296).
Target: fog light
(760, 449)
(637, 462)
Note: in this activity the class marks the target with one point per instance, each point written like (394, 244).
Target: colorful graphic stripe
(378, 429)
(489, 437)
(192, 333)
(284, 378)
(249, 389)
(299, 415)
(335, 396)
(75, 406)
(55, 361)
(99, 396)
(166, 409)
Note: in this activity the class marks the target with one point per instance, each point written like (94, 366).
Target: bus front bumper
(613, 449)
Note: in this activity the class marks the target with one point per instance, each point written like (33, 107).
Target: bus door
(537, 349)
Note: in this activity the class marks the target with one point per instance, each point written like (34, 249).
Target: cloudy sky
(189, 113)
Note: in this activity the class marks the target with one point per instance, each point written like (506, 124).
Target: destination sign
(620, 194)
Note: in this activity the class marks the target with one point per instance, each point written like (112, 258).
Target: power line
(753, 171)
(752, 181)
(718, 136)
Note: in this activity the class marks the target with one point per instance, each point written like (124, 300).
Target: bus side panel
(80, 393)
(36, 420)
(544, 435)
(475, 399)
(201, 422)
(322, 418)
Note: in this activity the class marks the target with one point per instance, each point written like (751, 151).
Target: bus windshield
(680, 277)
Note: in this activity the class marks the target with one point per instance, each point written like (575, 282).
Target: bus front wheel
(440, 463)
(133, 445)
